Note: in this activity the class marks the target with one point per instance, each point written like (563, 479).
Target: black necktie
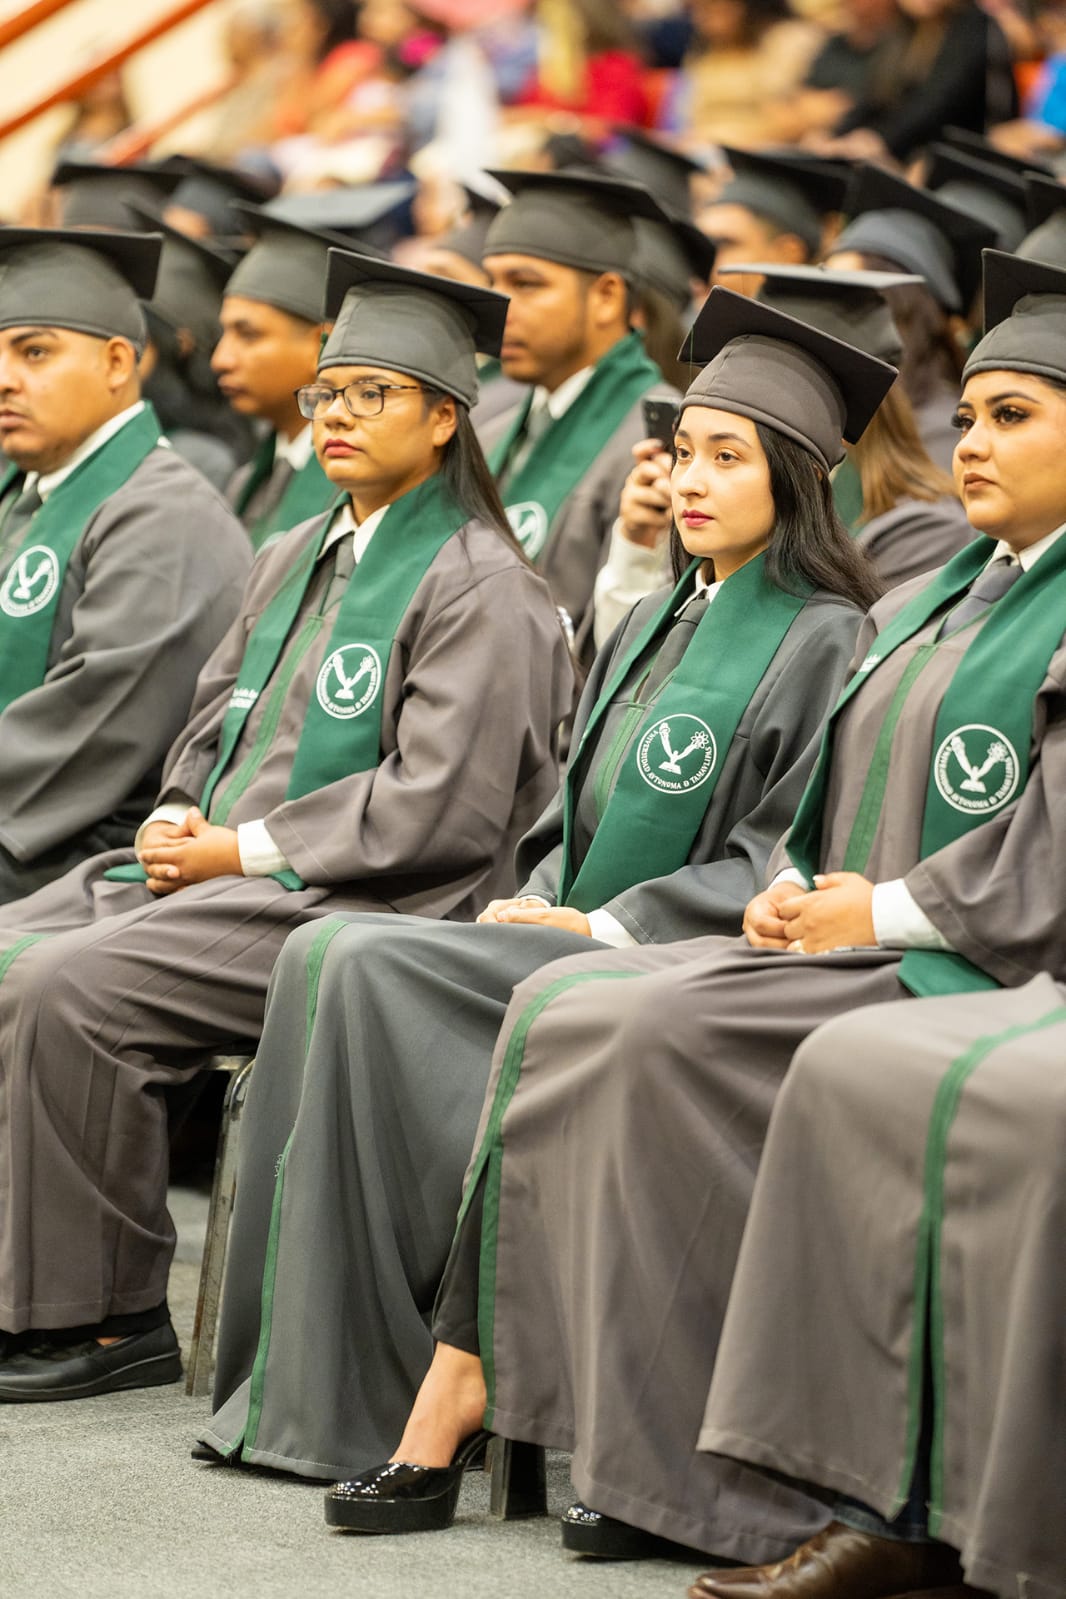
(16, 514)
(988, 586)
(343, 567)
(674, 646)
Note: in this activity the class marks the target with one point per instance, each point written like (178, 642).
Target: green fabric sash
(666, 784)
(847, 496)
(308, 493)
(981, 745)
(563, 454)
(29, 594)
(342, 727)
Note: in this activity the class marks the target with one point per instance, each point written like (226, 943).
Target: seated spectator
(377, 744)
(1040, 133)
(843, 74)
(120, 568)
(590, 66)
(327, 58)
(746, 55)
(652, 838)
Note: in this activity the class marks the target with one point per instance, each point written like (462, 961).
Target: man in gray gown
(120, 568)
(375, 732)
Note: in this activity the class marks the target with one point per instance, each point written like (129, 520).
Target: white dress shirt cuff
(171, 812)
(608, 930)
(260, 856)
(900, 922)
(791, 875)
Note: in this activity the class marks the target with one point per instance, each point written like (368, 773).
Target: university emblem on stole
(529, 523)
(349, 680)
(677, 754)
(31, 582)
(976, 769)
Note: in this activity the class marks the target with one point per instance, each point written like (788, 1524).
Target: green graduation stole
(662, 793)
(563, 454)
(29, 594)
(981, 743)
(308, 493)
(342, 728)
(847, 496)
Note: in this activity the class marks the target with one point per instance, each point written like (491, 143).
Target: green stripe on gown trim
(323, 938)
(928, 1286)
(8, 958)
(490, 1155)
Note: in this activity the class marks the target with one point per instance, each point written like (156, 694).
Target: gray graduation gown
(128, 992)
(609, 1292)
(579, 538)
(382, 1104)
(827, 1397)
(151, 587)
(915, 537)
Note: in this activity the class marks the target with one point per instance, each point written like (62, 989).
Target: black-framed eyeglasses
(361, 399)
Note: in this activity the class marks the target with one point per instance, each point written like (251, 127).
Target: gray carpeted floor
(99, 1500)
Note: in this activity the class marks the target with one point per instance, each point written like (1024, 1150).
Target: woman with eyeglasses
(375, 732)
(692, 744)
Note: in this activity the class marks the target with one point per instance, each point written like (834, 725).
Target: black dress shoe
(587, 1532)
(45, 1370)
(401, 1498)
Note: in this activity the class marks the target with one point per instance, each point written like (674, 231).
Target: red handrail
(28, 18)
(75, 86)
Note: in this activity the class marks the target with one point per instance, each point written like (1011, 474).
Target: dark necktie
(16, 515)
(674, 646)
(989, 586)
(343, 567)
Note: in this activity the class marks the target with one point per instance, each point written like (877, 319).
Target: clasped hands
(836, 914)
(530, 910)
(176, 854)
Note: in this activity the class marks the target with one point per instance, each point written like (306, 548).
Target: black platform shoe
(588, 1532)
(397, 1497)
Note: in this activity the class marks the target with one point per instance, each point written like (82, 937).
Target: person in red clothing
(590, 64)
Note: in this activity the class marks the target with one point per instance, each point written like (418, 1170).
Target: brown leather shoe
(840, 1563)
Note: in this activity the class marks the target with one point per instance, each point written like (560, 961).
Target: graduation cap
(95, 194)
(849, 305)
(467, 238)
(1045, 204)
(795, 194)
(760, 363)
(390, 316)
(974, 144)
(1025, 318)
(191, 281)
(668, 255)
(579, 220)
(662, 170)
(286, 266)
(210, 190)
(88, 281)
(991, 193)
(365, 214)
(917, 231)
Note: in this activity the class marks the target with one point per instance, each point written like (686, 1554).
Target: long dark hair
(931, 352)
(466, 477)
(810, 543)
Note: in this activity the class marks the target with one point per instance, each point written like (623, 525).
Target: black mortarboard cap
(849, 305)
(668, 255)
(795, 195)
(1045, 204)
(366, 213)
(582, 221)
(286, 266)
(95, 194)
(918, 232)
(990, 193)
(976, 145)
(665, 172)
(1024, 318)
(88, 281)
(468, 237)
(390, 316)
(192, 278)
(210, 190)
(784, 373)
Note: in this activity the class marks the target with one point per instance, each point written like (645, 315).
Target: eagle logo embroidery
(529, 523)
(666, 755)
(31, 582)
(976, 769)
(348, 681)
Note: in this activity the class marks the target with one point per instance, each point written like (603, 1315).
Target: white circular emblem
(976, 769)
(348, 681)
(529, 522)
(31, 582)
(677, 754)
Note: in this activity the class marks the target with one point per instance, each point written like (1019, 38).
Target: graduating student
(632, 1089)
(563, 249)
(983, 189)
(375, 731)
(773, 208)
(273, 322)
(120, 568)
(95, 195)
(692, 737)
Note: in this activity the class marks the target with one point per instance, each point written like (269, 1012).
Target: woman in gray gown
(631, 1090)
(694, 739)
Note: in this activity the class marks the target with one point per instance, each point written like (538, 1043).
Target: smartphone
(660, 420)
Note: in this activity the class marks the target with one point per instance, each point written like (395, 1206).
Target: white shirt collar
(1029, 557)
(48, 482)
(559, 401)
(295, 452)
(344, 523)
(702, 587)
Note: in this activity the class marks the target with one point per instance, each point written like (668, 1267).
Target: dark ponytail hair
(809, 543)
(465, 474)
